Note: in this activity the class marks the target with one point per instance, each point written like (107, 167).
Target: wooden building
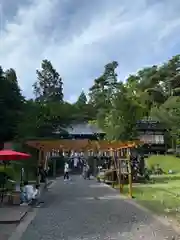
(152, 133)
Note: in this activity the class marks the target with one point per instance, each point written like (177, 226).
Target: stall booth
(54, 148)
(117, 151)
(119, 171)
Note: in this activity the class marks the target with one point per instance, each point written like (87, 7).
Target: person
(36, 192)
(76, 160)
(86, 171)
(66, 171)
(41, 173)
(27, 193)
(46, 177)
(36, 195)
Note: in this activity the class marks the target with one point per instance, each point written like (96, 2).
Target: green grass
(164, 201)
(162, 196)
(167, 162)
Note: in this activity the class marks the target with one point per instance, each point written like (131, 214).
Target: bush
(152, 168)
(9, 171)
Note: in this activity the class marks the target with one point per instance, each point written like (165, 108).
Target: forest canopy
(114, 106)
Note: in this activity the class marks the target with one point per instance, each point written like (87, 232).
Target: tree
(11, 102)
(101, 91)
(170, 73)
(43, 119)
(100, 94)
(82, 100)
(120, 122)
(82, 110)
(145, 85)
(114, 106)
(169, 115)
(49, 86)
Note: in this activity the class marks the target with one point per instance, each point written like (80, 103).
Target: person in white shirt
(27, 193)
(36, 193)
(76, 160)
(66, 171)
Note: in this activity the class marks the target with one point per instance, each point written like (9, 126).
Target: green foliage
(48, 86)
(167, 162)
(113, 105)
(169, 114)
(153, 91)
(9, 170)
(11, 102)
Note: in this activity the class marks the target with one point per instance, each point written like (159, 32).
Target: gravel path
(84, 209)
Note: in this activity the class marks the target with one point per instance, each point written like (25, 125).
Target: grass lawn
(167, 162)
(162, 196)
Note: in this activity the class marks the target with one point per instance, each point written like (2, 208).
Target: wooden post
(45, 159)
(119, 170)
(95, 154)
(129, 173)
(39, 162)
(39, 156)
(95, 163)
(54, 168)
(54, 164)
(113, 167)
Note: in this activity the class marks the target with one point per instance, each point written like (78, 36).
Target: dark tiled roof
(83, 128)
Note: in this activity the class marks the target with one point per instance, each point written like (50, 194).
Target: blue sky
(81, 36)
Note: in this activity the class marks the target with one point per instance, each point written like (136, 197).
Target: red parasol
(10, 155)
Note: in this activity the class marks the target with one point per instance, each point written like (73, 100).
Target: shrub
(9, 171)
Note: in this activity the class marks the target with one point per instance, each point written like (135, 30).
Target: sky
(80, 36)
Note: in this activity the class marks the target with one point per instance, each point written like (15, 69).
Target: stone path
(84, 209)
(12, 215)
(6, 230)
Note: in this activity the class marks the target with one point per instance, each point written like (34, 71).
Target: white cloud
(80, 40)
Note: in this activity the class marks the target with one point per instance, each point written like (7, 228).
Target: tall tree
(101, 92)
(49, 86)
(170, 76)
(39, 119)
(82, 110)
(11, 102)
(120, 122)
(82, 100)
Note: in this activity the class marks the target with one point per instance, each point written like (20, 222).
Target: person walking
(86, 171)
(46, 170)
(66, 171)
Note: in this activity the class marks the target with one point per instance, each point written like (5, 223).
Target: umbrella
(10, 155)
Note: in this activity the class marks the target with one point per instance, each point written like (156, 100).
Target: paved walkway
(88, 210)
(13, 214)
